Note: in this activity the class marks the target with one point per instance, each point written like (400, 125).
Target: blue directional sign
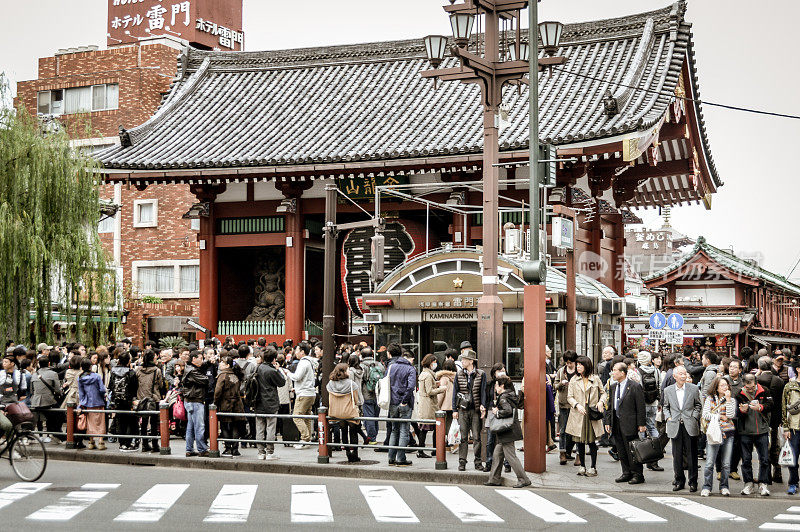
(657, 320)
(675, 321)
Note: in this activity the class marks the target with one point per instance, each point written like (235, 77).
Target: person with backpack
(246, 363)
(124, 386)
(651, 380)
(267, 378)
(228, 399)
(148, 397)
(373, 372)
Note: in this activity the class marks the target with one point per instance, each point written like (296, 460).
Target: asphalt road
(79, 496)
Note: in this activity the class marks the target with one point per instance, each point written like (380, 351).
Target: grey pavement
(79, 496)
(374, 465)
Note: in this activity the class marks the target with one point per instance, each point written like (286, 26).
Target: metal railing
(251, 328)
(323, 430)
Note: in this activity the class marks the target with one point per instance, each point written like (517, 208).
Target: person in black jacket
(768, 380)
(194, 388)
(505, 406)
(625, 419)
(269, 379)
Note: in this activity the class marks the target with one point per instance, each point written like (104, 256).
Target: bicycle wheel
(28, 456)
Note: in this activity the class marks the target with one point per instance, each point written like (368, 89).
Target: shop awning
(771, 340)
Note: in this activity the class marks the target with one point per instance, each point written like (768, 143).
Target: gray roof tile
(368, 101)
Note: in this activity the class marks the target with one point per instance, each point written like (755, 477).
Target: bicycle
(25, 451)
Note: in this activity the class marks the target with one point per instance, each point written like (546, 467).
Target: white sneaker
(261, 456)
(762, 490)
(581, 471)
(591, 472)
(271, 457)
(748, 489)
(725, 492)
(46, 439)
(299, 446)
(705, 493)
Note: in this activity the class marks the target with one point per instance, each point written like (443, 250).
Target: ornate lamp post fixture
(490, 61)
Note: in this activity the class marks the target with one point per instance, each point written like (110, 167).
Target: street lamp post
(490, 71)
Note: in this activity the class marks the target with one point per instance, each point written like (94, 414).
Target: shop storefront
(429, 304)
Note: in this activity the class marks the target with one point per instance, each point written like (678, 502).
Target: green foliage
(172, 342)
(155, 300)
(50, 252)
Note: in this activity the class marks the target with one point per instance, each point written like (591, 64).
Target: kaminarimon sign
(209, 23)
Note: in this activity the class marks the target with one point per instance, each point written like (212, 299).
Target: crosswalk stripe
(387, 505)
(793, 509)
(155, 502)
(696, 509)
(463, 505)
(232, 504)
(17, 491)
(787, 517)
(68, 506)
(540, 507)
(618, 508)
(779, 526)
(310, 504)
(95, 486)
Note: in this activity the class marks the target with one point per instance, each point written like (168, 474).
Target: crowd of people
(717, 409)
(708, 408)
(256, 377)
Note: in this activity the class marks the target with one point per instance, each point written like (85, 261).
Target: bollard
(163, 425)
(213, 432)
(440, 443)
(70, 444)
(324, 456)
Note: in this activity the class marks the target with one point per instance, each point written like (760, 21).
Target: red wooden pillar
(209, 288)
(295, 275)
(535, 438)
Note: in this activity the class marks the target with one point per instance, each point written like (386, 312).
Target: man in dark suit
(625, 419)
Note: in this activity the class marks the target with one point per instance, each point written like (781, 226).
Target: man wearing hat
(470, 401)
(43, 349)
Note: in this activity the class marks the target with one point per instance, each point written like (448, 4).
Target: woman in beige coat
(446, 377)
(428, 403)
(585, 394)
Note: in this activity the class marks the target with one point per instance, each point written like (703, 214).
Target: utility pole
(329, 283)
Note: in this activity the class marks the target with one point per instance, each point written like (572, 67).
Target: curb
(285, 468)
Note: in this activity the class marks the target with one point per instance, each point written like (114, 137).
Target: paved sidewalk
(374, 465)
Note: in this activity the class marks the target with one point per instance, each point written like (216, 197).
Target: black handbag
(594, 413)
(499, 425)
(646, 450)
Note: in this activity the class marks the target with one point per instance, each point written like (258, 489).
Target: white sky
(746, 56)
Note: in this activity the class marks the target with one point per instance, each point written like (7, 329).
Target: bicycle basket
(18, 413)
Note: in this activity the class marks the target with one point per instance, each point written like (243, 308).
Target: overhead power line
(671, 95)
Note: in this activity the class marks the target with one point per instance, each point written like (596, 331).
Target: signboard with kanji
(214, 24)
(648, 242)
(363, 187)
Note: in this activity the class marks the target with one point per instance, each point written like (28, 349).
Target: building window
(106, 224)
(156, 279)
(145, 213)
(190, 278)
(50, 102)
(167, 278)
(79, 99)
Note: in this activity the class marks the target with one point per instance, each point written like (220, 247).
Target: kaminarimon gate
(257, 135)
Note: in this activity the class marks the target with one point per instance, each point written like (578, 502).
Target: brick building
(93, 93)
(100, 94)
